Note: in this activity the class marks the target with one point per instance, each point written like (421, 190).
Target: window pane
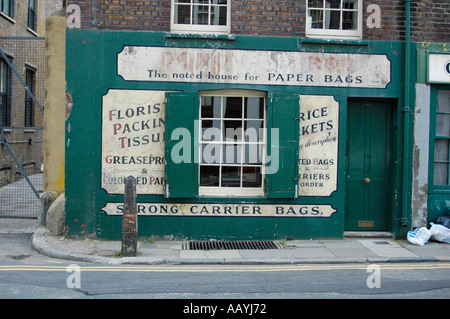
(211, 130)
(210, 154)
(441, 174)
(315, 18)
(231, 176)
(210, 107)
(5, 103)
(232, 107)
(315, 3)
(3, 76)
(350, 4)
(443, 101)
(333, 19)
(254, 108)
(251, 177)
(183, 14)
(209, 175)
(441, 150)
(218, 15)
(232, 154)
(335, 4)
(350, 19)
(443, 124)
(200, 15)
(253, 131)
(6, 9)
(233, 130)
(253, 154)
(29, 105)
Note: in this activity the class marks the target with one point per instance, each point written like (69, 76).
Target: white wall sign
(439, 68)
(133, 140)
(318, 146)
(223, 210)
(138, 63)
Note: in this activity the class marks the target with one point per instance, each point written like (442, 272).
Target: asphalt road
(25, 274)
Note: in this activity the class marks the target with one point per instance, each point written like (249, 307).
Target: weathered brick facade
(430, 20)
(25, 47)
(16, 24)
(271, 18)
(133, 15)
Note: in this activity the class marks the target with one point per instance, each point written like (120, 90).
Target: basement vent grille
(228, 245)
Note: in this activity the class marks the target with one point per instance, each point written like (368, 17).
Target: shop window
(339, 19)
(5, 94)
(30, 79)
(441, 139)
(231, 143)
(6, 7)
(200, 16)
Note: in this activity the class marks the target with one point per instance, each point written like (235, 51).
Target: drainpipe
(406, 116)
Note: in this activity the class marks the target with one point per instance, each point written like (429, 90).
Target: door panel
(369, 165)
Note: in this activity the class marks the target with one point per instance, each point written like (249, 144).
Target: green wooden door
(369, 150)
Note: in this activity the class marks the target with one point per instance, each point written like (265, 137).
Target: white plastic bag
(440, 233)
(419, 236)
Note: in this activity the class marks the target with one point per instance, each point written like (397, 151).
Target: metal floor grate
(228, 245)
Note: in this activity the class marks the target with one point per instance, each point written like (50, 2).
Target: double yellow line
(222, 268)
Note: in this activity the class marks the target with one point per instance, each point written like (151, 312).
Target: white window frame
(200, 28)
(334, 33)
(222, 191)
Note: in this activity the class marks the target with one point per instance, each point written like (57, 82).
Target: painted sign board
(223, 210)
(438, 68)
(197, 65)
(318, 145)
(133, 140)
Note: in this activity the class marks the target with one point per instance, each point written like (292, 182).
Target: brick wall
(430, 20)
(26, 49)
(272, 18)
(392, 21)
(16, 25)
(134, 15)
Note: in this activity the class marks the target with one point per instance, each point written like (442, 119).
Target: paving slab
(265, 253)
(303, 243)
(317, 252)
(387, 248)
(348, 248)
(159, 253)
(429, 249)
(225, 254)
(354, 250)
(169, 244)
(192, 254)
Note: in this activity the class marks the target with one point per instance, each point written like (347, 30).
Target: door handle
(366, 180)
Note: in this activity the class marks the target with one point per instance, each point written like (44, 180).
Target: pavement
(353, 248)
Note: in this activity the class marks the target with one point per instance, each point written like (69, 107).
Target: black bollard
(129, 219)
